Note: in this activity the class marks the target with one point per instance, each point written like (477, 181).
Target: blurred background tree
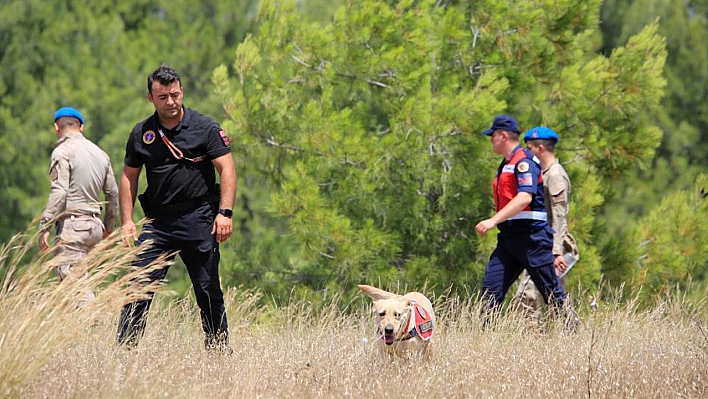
(637, 202)
(356, 125)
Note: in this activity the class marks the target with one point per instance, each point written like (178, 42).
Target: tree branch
(369, 81)
(271, 142)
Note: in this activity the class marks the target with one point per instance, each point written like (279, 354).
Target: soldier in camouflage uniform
(541, 142)
(79, 172)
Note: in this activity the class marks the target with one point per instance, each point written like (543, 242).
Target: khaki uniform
(557, 197)
(79, 172)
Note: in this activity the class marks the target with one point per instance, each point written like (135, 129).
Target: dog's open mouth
(388, 339)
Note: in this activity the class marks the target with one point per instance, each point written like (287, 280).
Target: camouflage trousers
(530, 299)
(530, 302)
(76, 236)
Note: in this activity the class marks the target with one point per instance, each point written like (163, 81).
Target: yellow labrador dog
(405, 323)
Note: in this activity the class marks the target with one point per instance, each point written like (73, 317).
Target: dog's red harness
(420, 324)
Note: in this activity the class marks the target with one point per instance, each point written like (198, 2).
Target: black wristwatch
(226, 212)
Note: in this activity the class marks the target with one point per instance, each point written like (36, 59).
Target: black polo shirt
(171, 181)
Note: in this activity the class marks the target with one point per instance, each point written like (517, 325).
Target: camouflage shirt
(79, 171)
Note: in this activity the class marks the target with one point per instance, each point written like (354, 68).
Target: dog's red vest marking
(423, 322)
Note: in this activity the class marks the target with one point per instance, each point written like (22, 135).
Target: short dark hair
(164, 75)
(66, 121)
(512, 134)
(548, 144)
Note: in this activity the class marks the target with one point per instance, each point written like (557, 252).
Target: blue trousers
(188, 234)
(515, 252)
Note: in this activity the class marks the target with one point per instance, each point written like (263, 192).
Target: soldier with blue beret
(80, 173)
(541, 141)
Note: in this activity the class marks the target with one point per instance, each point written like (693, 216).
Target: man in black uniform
(189, 212)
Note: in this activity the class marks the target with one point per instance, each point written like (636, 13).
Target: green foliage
(648, 192)
(682, 113)
(685, 26)
(672, 240)
(368, 126)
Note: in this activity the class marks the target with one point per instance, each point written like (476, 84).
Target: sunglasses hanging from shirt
(176, 152)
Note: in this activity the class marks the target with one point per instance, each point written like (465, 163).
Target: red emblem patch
(224, 138)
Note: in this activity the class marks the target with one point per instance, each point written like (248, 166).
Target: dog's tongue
(388, 339)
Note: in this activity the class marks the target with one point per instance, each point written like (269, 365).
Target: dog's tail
(377, 293)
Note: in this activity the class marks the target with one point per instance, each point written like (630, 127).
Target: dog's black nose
(388, 330)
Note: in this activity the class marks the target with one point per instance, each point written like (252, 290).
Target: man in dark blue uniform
(189, 212)
(525, 239)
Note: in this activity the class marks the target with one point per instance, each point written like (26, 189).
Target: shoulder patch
(523, 167)
(148, 137)
(224, 138)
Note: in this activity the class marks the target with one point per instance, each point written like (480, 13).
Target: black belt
(183, 206)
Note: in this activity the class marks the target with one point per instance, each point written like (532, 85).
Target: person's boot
(218, 343)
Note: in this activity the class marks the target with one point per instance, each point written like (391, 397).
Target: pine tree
(636, 201)
(368, 126)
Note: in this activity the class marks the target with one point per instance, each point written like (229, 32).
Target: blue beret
(541, 133)
(502, 122)
(68, 111)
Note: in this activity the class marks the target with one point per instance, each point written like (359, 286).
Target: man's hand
(485, 225)
(560, 265)
(516, 205)
(129, 233)
(107, 233)
(222, 228)
(44, 240)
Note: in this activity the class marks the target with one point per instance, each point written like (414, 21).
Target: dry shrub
(42, 316)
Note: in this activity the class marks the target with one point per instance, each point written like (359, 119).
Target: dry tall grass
(48, 348)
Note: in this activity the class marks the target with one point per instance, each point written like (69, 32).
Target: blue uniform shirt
(520, 173)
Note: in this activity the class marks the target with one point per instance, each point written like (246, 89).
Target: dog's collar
(419, 324)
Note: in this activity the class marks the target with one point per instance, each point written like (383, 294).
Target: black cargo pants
(188, 234)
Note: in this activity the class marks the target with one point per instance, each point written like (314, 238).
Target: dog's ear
(376, 293)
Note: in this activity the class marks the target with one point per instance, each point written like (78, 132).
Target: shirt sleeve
(558, 201)
(132, 156)
(527, 173)
(59, 171)
(110, 190)
(218, 142)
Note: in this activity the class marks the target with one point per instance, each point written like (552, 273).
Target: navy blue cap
(68, 111)
(503, 122)
(541, 133)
